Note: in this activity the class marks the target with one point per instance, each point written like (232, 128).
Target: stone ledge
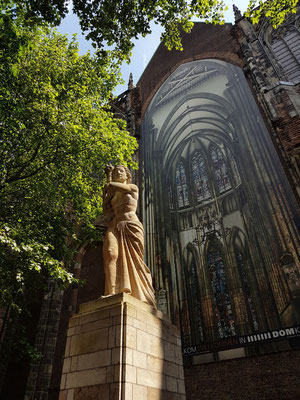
(117, 299)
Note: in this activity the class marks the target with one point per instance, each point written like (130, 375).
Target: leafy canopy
(117, 22)
(275, 10)
(56, 136)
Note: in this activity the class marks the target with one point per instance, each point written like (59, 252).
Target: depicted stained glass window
(222, 304)
(220, 169)
(200, 177)
(196, 306)
(247, 289)
(181, 186)
(287, 51)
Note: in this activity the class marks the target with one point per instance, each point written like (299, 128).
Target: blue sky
(144, 47)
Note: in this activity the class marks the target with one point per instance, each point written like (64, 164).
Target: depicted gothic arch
(213, 187)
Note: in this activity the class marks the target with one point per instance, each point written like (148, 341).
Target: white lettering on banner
(290, 331)
(270, 335)
(242, 340)
(189, 350)
(285, 332)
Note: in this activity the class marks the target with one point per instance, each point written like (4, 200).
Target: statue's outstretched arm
(124, 187)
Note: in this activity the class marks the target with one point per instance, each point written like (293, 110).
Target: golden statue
(124, 267)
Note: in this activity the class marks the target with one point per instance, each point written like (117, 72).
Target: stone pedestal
(120, 348)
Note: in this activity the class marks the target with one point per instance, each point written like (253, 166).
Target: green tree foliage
(275, 10)
(56, 136)
(117, 23)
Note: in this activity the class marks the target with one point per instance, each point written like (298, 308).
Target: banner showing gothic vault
(219, 213)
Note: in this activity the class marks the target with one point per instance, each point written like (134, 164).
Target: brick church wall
(269, 376)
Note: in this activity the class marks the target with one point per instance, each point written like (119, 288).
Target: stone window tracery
(286, 48)
(220, 169)
(200, 177)
(222, 304)
(181, 186)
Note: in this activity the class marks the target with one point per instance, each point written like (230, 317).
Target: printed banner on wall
(222, 212)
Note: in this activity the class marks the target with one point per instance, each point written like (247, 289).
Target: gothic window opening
(246, 289)
(181, 186)
(220, 170)
(287, 51)
(200, 177)
(222, 304)
(195, 301)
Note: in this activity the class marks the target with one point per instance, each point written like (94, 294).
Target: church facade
(220, 134)
(219, 131)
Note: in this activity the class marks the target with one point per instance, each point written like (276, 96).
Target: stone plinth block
(121, 348)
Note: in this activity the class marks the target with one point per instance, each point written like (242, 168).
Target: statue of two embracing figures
(124, 267)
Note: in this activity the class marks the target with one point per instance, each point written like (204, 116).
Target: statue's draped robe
(133, 275)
